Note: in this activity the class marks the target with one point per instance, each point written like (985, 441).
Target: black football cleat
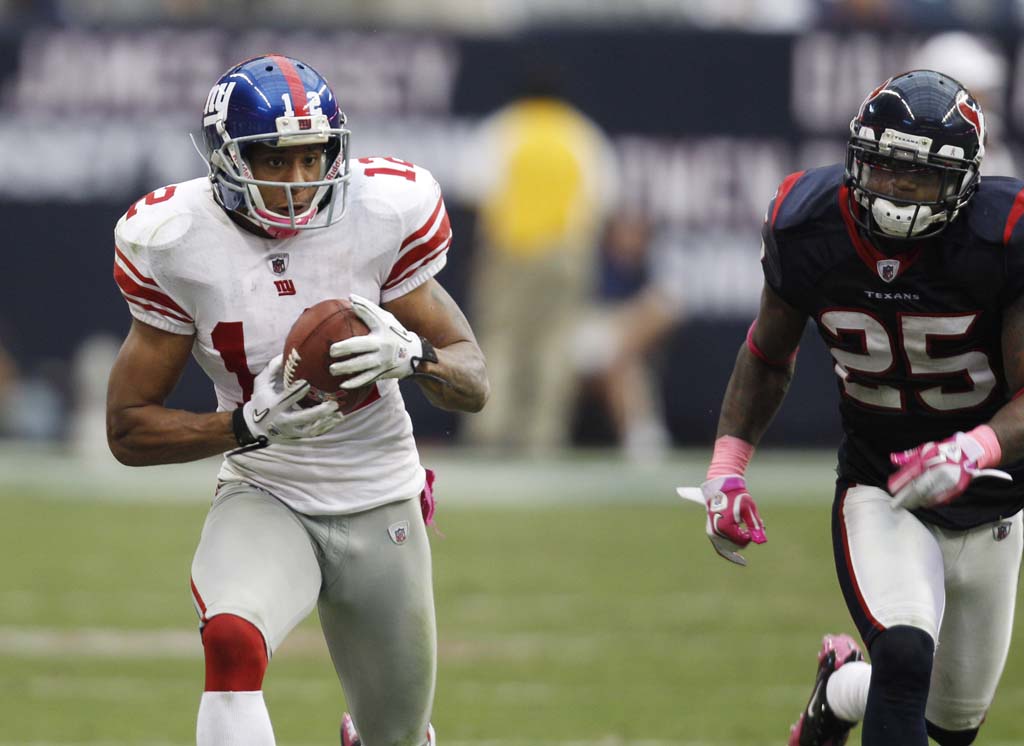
(818, 725)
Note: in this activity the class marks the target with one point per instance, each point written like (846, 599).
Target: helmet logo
(888, 269)
(968, 108)
(217, 103)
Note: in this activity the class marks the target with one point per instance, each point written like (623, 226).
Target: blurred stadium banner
(703, 137)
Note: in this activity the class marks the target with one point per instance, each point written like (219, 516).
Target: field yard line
(163, 644)
(98, 642)
(465, 477)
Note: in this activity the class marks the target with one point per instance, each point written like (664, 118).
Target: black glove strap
(429, 354)
(246, 440)
(242, 433)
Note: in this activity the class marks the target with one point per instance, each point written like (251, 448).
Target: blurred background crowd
(606, 166)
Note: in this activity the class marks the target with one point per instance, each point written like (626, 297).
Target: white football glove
(272, 413)
(389, 350)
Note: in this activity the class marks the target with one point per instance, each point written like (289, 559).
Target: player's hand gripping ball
(307, 353)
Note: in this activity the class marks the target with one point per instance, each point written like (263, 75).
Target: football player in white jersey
(312, 507)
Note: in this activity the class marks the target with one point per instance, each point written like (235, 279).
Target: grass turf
(607, 624)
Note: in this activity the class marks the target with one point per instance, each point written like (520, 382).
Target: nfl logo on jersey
(1001, 530)
(278, 263)
(888, 268)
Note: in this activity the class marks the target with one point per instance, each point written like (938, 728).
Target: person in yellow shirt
(543, 175)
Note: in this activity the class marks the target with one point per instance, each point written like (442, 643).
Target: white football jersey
(183, 266)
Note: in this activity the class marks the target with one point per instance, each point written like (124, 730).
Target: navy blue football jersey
(915, 337)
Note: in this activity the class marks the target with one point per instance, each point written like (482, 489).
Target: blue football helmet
(278, 101)
(914, 155)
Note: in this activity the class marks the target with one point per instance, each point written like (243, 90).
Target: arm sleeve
(147, 299)
(423, 251)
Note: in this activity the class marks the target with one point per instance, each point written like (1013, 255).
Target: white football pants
(958, 586)
(368, 573)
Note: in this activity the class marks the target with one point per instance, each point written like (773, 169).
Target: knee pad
(236, 655)
(901, 658)
(945, 737)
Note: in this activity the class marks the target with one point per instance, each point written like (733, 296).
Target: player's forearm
(1008, 425)
(150, 434)
(463, 384)
(753, 396)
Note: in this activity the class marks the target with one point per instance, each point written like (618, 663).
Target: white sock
(847, 691)
(233, 719)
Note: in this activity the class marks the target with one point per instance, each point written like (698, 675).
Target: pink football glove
(733, 521)
(936, 473)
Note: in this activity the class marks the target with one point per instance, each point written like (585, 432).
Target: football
(307, 353)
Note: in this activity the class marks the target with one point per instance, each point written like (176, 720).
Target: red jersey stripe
(132, 268)
(422, 230)
(131, 288)
(444, 225)
(784, 187)
(298, 91)
(156, 309)
(415, 268)
(443, 233)
(1016, 211)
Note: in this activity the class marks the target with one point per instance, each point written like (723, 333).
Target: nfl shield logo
(399, 532)
(888, 269)
(278, 263)
(1001, 530)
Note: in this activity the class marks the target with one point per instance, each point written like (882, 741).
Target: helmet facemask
(912, 168)
(236, 189)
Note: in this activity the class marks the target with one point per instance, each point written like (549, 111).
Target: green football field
(578, 603)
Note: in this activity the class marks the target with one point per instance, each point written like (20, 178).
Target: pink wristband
(986, 438)
(731, 456)
(759, 353)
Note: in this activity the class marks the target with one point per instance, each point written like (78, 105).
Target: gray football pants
(369, 574)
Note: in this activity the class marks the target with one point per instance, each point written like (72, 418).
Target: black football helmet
(913, 157)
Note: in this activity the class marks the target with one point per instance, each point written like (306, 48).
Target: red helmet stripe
(298, 91)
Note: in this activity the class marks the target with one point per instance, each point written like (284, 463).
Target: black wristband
(243, 435)
(429, 354)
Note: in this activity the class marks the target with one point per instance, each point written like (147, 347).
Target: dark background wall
(704, 124)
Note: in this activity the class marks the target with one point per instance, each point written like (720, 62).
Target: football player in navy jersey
(912, 269)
